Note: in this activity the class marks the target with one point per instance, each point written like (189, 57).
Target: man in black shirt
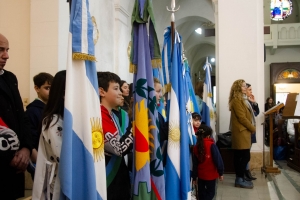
(15, 151)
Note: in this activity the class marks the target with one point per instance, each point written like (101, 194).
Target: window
(280, 9)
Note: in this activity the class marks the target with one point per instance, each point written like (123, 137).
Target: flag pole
(173, 10)
(70, 4)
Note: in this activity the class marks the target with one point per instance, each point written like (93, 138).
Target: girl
(124, 87)
(46, 181)
(196, 121)
(207, 164)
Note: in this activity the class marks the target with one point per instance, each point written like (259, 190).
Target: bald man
(15, 137)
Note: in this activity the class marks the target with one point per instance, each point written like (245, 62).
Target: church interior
(240, 39)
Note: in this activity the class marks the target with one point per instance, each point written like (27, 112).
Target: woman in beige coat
(242, 126)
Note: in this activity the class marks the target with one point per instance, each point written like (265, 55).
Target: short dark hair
(104, 78)
(41, 78)
(196, 116)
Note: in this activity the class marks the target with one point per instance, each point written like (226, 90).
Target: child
(42, 83)
(50, 142)
(163, 126)
(207, 164)
(196, 121)
(115, 147)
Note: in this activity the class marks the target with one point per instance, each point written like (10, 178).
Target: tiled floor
(283, 186)
(261, 190)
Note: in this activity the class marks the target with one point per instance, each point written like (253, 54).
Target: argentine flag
(208, 110)
(82, 162)
(178, 157)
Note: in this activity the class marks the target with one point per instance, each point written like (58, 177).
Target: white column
(239, 52)
(49, 27)
(122, 39)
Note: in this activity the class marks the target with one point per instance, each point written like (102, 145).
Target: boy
(115, 147)
(42, 84)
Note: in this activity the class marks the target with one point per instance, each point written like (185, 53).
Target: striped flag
(157, 73)
(191, 103)
(208, 110)
(178, 155)
(82, 163)
(148, 174)
(166, 64)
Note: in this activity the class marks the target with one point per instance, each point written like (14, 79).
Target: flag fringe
(132, 68)
(156, 63)
(83, 56)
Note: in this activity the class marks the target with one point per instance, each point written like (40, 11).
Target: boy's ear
(36, 88)
(101, 92)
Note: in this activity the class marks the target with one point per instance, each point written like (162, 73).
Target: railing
(282, 35)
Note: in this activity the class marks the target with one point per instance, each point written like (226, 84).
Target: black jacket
(13, 115)
(34, 111)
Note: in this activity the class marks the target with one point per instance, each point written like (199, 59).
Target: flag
(192, 105)
(208, 110)
(190, 100)
(148, 174)
(178, 155)
(82, 162)
(157, 73)
(166, 64)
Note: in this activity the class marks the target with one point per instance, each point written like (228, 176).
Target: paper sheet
(297, 109)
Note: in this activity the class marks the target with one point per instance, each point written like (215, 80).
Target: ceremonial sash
(114, 163)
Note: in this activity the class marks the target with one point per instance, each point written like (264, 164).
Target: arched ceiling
(191, 15)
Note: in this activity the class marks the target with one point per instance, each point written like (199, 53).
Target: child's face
(158, 92)
(196, 123)
(43, 91)
(113, 96)
(125, 89)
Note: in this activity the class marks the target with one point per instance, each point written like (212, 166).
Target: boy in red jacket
(207, 164)
(117, 144)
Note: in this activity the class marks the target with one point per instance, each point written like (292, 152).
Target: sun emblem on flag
(141, 134)
(174, 134)
(97, 139)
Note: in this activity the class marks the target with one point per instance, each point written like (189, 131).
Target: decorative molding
(215, 6)
(124, 14)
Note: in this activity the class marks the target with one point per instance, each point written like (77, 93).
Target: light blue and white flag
(178, 156)
(82, 163)
(166, 65)
(208, 110)
(190, 99)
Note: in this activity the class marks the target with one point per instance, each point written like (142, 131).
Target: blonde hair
(236, 91)
(156, 80)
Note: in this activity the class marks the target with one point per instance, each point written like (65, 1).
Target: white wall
(292, 88)
(49, 27)
(15, 25)
(239, 56)
(123, 11)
